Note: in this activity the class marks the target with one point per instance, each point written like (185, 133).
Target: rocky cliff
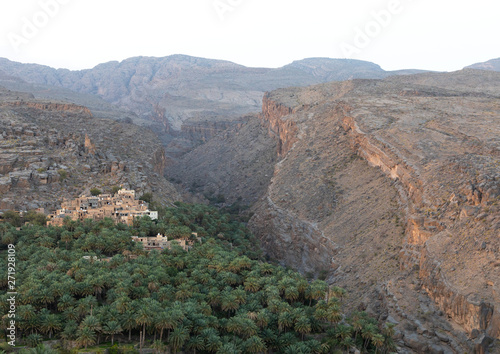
(423, 219)
(236, 164)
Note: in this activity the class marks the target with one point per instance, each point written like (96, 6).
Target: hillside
(493, 65)
(50, 150)
(390, 187)
(386, 185)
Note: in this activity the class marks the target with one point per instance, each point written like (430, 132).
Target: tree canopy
(88, 281)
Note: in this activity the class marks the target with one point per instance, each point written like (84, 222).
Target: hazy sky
(76, 34)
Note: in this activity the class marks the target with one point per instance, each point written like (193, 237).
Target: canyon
(386, 184)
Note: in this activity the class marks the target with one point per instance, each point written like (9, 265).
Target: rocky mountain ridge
(179, 95)
(441, 149)
(387, 186)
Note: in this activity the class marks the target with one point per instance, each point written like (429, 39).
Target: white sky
(76, 34)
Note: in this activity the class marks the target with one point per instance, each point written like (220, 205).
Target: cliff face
(423, 231)
(237, 164)
(285, 131)
(428, 204)
(64, 108)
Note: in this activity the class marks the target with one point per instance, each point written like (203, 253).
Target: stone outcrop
(64, 108)
(89, 146)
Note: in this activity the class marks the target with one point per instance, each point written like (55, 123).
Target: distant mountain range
(179, 87)
(186, 100)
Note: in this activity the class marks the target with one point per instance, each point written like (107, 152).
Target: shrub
(63, 174)
(147, 197)
(95, 191)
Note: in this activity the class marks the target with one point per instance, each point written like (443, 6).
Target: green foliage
(215, 199)
(34, 340)
(12, 217)
(218, 297)
(115, 189)
(63, 174)
(95, 191)
(35, 218)
(147, 197)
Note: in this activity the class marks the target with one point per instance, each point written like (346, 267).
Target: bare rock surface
(391, 188)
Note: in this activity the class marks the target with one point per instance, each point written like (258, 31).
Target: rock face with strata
(52, 150)
(395, 181)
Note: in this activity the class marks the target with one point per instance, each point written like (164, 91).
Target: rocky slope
(493, 64)
(236, 164)
(391, 188)
(50, 150)
(435, 152)
(186, 100)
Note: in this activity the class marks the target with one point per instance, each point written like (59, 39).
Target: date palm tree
(252, 284)
(128, 322)
(303, 326)
(195, 343)
(66, 301)
(367, 333)
(255, 344)
(27, 317)
(165, 320)
(179, 336)
(85, 337)
(144, 318)
(112, 328)
(50, 324)
(285, 320)
(34, 339)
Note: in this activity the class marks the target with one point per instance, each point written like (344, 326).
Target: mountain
(390, 187)
(493, 65)
(186, 100)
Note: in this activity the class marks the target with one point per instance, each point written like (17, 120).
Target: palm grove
(218, 297)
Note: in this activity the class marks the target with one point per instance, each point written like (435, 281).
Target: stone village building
(121, 208)
(160, 242)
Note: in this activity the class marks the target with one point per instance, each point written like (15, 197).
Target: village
(122, 207)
